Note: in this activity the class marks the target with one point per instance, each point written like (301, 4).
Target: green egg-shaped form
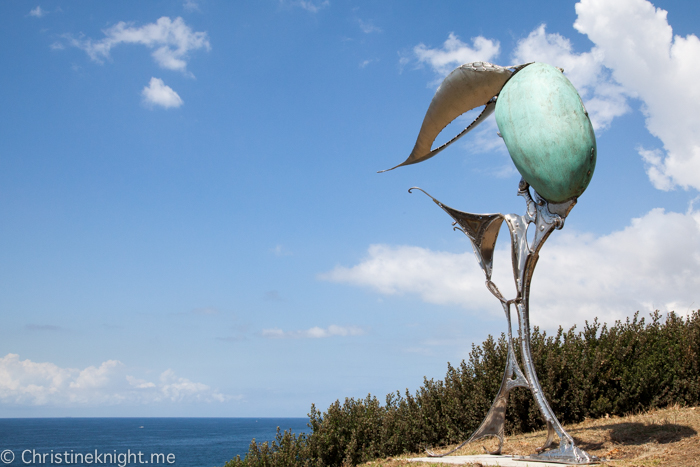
(547, 132)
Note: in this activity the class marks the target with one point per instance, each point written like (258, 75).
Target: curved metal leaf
(465, 88)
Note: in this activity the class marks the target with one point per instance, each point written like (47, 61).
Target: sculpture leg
(531, 375)
(494, 422)
(567, 450)
(549, 440)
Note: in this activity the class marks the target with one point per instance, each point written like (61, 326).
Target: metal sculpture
(549, 136)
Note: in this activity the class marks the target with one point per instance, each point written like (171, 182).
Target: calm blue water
(192, 442)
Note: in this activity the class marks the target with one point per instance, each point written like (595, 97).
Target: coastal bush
(286, 450)
(628, 367)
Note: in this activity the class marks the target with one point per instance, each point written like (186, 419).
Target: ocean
(181, 442)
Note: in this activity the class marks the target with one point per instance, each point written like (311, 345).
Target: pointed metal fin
(465, 88)
(482, 230)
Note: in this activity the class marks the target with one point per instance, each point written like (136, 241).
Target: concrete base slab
(487, 459)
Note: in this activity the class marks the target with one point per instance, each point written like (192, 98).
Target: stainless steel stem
(482, 230)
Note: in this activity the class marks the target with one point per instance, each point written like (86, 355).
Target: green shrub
(628, 367)
(287, 450)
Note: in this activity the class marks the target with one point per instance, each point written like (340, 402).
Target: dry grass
(668, 436)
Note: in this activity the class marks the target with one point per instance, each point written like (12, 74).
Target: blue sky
(192, 222)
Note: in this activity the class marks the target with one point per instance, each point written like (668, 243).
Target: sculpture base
(487, 459)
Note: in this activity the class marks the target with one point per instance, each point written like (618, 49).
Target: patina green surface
(547, 132)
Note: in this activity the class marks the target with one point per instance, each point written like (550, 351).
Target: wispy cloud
(364, 63)
(314, 332)
(313, 6)
(654, 263)
(368, 27)
(38, 12)
(157, 93)
(191, 5)
(281, 250)
(171, 41)
(24, 382)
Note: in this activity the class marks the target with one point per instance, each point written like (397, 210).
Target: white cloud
(157, 93)
(171, 41)
(139, 383)
(437, 277)
(312, 6)
(274, 333)
(653, 160)
(603, 97)
(314, 332)
(23, 382)
(364, 63)
(636, 42)
(38, 12)
(654, 263)
(191, 5)
(368, 27)
(178, 389)
(95, 377)
(454, 52)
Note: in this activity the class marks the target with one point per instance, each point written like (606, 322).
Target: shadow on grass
(636, 434)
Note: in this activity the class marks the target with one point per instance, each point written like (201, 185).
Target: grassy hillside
(669, 436)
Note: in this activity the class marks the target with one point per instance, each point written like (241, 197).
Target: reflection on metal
(482, 230)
